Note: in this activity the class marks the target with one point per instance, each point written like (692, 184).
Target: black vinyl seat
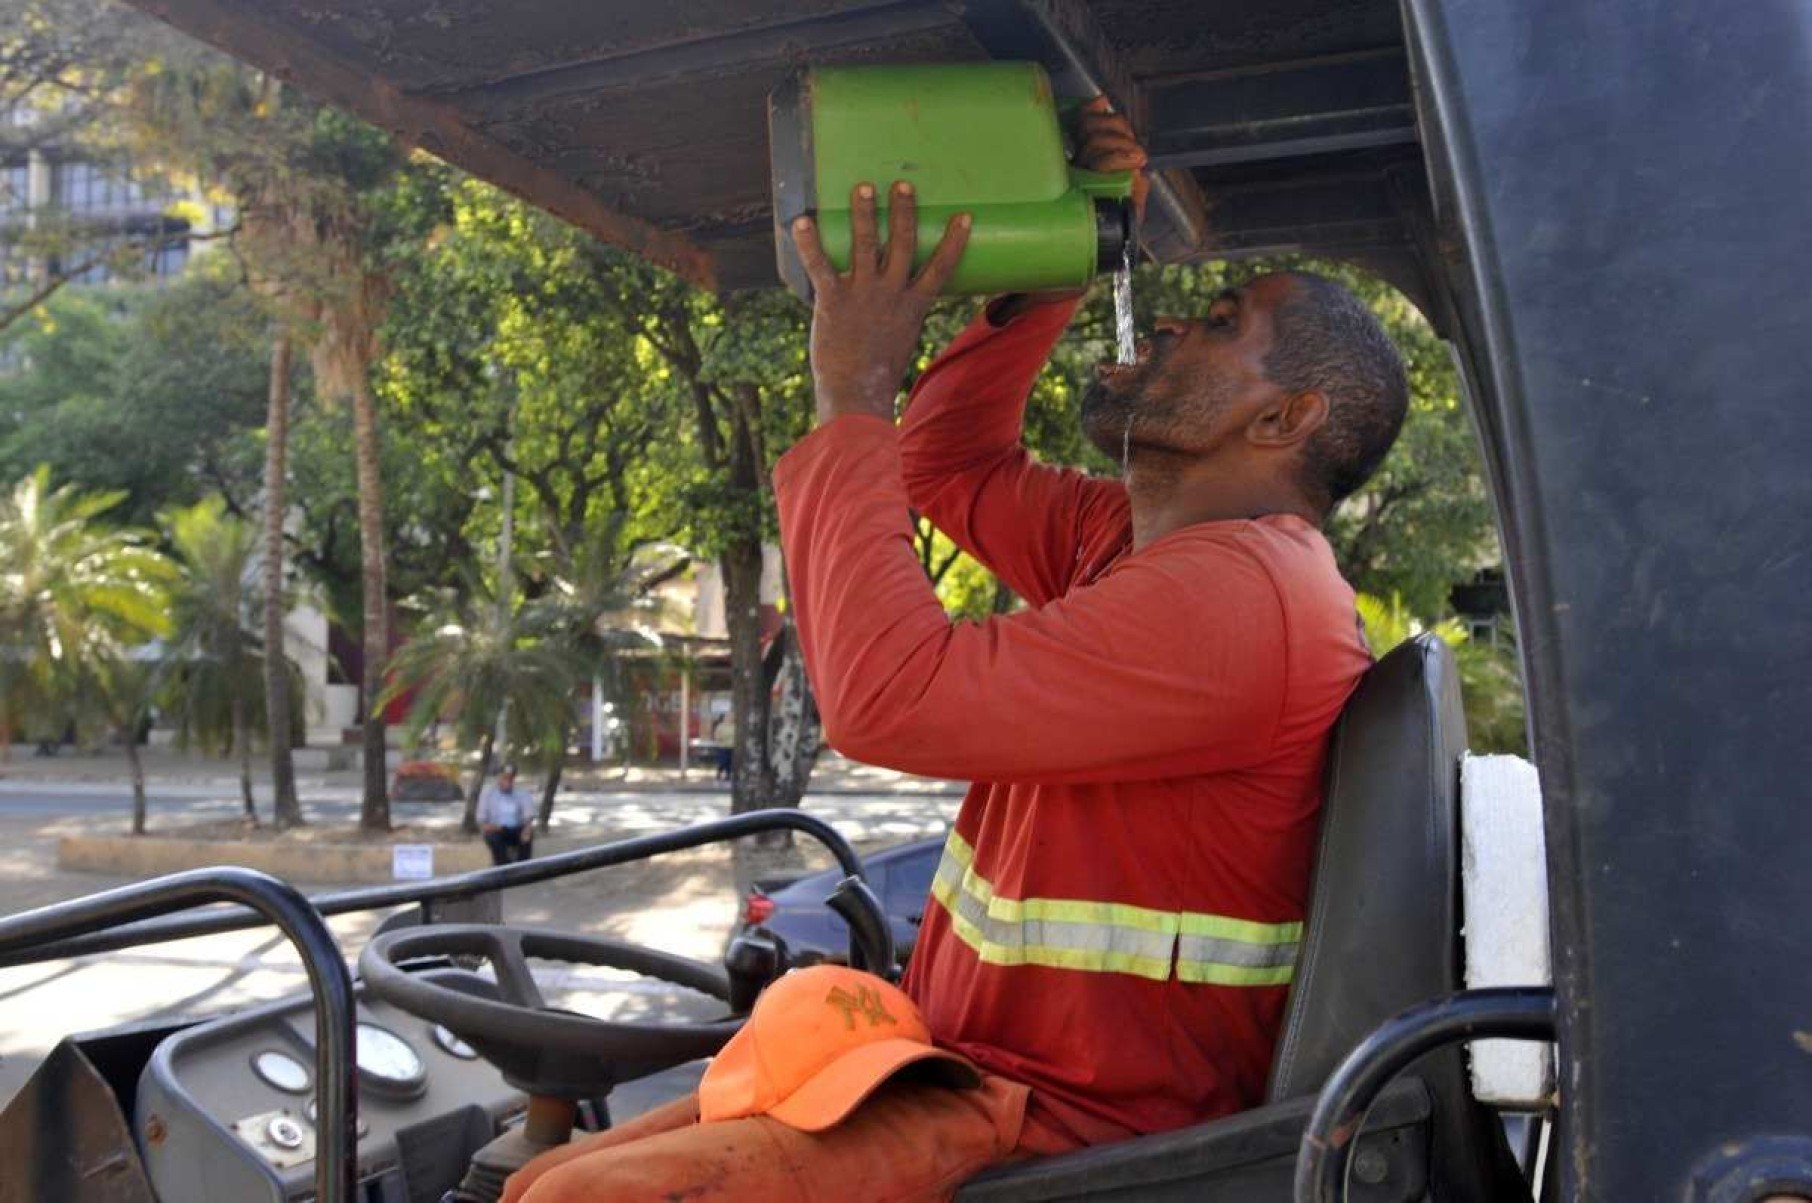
(1382, 933)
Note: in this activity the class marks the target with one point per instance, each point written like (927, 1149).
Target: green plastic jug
(977, 137)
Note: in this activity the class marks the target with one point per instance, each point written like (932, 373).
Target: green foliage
(157, 395)
(470, 662)
(78, 600)
(214, 652)
(1490, 679)
(507, 352)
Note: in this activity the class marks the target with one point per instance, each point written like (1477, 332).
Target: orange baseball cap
(818, 1042)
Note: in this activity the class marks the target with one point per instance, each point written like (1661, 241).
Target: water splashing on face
(1128, 347)
(1123, 319)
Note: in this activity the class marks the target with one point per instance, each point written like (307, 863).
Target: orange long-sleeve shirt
(1116, 915)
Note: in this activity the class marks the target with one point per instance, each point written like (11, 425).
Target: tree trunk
(752, 785)
(795, 733)
(130, 733)
(242, 743)
(374, 810)
(555, 771)
(485, 749)
(285, 807)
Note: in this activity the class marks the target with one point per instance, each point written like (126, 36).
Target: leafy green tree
(474, 663)
(319, 196)
(504, 357)
(1489, 681)
(216, 675)
(593, 614)
(633, 411)
(79, 602)
(158, 395)
(742, 364)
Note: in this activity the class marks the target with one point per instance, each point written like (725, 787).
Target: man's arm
(1103, 684)
(965, 467)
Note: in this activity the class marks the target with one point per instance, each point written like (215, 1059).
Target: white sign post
(412, 862)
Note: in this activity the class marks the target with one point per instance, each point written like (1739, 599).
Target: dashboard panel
(226, 1109)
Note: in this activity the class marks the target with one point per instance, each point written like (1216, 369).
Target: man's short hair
(1326, 340)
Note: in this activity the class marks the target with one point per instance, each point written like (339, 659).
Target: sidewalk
(168, 766)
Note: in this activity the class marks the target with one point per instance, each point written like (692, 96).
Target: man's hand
(1105, 142)
(866, 321)
(491, 829)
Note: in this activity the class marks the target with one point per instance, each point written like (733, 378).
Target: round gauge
(449, 1043)
(281, 1070)
(386, 1058)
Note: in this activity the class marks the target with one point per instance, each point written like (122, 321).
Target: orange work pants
(907, 1141)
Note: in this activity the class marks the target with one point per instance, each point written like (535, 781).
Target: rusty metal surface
(63, 1138)
(645, 123)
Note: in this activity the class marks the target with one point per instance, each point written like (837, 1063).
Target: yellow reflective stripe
(1093, 947)
(1109, 937)
(1196, 972)
(1244, 931)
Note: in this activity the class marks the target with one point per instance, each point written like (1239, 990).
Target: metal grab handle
(280, 904)
(870, 935)
(1508, 1013)
(464, 885)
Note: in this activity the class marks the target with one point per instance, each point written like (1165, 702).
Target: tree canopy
(524, 377)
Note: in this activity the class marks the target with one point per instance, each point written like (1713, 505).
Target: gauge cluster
(227, 1108)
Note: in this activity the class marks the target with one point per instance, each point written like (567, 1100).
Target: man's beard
(1109, 412)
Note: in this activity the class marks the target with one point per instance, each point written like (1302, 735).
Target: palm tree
(1490, 675)
(1389, 622)
(278, 682)
(79, 601)
(216, 675)
(473, 663)
(594, 613)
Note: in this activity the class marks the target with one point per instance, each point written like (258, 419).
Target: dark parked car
(793, 911)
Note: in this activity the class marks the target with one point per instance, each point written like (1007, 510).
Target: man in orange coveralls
(1114, 924)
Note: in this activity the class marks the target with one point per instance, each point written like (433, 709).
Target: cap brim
(837, 1089)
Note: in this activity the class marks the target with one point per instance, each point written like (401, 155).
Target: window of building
(94, 188)
(168, 260)
(15, 187)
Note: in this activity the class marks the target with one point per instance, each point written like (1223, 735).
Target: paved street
(684, 903)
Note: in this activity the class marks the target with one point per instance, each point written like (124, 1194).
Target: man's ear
(1289, 421)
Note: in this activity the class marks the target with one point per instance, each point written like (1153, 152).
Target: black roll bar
(1511, 1013)
(462, 885)
(25, 937)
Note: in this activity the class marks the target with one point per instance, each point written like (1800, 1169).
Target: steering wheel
(542, 1051)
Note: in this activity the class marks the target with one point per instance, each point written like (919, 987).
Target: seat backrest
(1383, 924)
(1383, 930)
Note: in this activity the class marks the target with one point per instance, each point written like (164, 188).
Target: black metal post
(1518, 1013)
(278, 903)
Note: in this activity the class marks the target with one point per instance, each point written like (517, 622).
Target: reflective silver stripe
(1109, 937)
(1235, 952)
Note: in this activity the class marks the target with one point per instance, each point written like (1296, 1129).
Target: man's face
(1197, 382)
(507, 781)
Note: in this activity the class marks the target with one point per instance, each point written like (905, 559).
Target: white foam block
(1504, 889)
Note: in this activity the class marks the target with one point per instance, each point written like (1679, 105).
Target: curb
(327, 864)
